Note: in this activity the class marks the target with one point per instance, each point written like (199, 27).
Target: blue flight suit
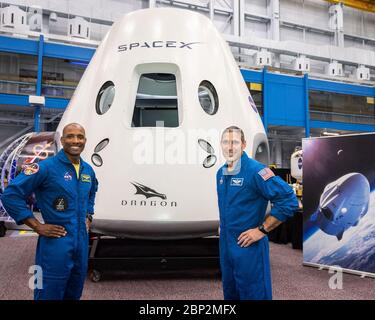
(243, 195)
(63, 200)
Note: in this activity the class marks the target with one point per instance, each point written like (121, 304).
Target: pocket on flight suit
(249, 262)
(256, 283)
(56, 255)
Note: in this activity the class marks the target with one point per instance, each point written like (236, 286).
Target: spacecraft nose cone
(355, 179)
(153, 101)
(343, 203)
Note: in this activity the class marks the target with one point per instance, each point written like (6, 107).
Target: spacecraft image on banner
(339, 206)
(342, 204)
(163, 82)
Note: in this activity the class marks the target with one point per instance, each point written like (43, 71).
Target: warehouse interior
(309, 66)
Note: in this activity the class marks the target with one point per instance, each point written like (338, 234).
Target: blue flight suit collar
(237, 167)
(61, 155)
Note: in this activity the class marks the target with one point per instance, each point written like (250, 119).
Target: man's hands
(50, 230)
(250, 236)
(47, 230)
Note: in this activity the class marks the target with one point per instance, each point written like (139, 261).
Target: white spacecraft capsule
(342, 204)
(158, 92)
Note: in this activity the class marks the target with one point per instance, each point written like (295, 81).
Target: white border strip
(323, 266)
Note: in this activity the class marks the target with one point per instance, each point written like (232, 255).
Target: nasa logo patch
(67, 176)
(31, 169)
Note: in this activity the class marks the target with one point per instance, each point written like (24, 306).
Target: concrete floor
(291, 280)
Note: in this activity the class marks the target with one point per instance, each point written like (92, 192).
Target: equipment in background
(30, 148)
(296, 164)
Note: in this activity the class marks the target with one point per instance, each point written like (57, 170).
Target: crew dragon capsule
(342, 204)
(161, 87)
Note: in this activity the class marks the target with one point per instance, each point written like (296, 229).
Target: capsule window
(327, 213)
(208, 97)
(105, 97)
(97, 160)
(156, 102)
(206, 146)
(209, 161)
(101, 145)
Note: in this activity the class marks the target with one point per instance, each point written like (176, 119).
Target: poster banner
(339, 202)
(33, 148)
(39, 147)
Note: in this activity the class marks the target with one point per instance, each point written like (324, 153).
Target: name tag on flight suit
(85, 178)
(236, 182)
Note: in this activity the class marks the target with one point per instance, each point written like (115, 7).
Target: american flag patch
(266, 173)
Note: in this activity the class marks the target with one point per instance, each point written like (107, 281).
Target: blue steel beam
(23, 101)
(341, 126)
(337, 87)
(14, 99)
(265, 99)
(62, 51)
(56, 103)
(52, 50)
(16, 45)
(39, 79)
(307, 110)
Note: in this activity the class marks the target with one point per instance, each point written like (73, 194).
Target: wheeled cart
(116, 254)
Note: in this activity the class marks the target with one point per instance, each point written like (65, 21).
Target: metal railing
(342, 117)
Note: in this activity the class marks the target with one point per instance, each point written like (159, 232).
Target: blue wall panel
(285, 100)
(252, 76)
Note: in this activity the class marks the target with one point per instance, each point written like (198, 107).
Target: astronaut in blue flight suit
(65, 188)
(244, 187)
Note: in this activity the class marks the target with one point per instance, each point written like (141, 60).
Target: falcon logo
(147, 192)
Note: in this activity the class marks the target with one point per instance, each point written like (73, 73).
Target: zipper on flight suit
(76, 240)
